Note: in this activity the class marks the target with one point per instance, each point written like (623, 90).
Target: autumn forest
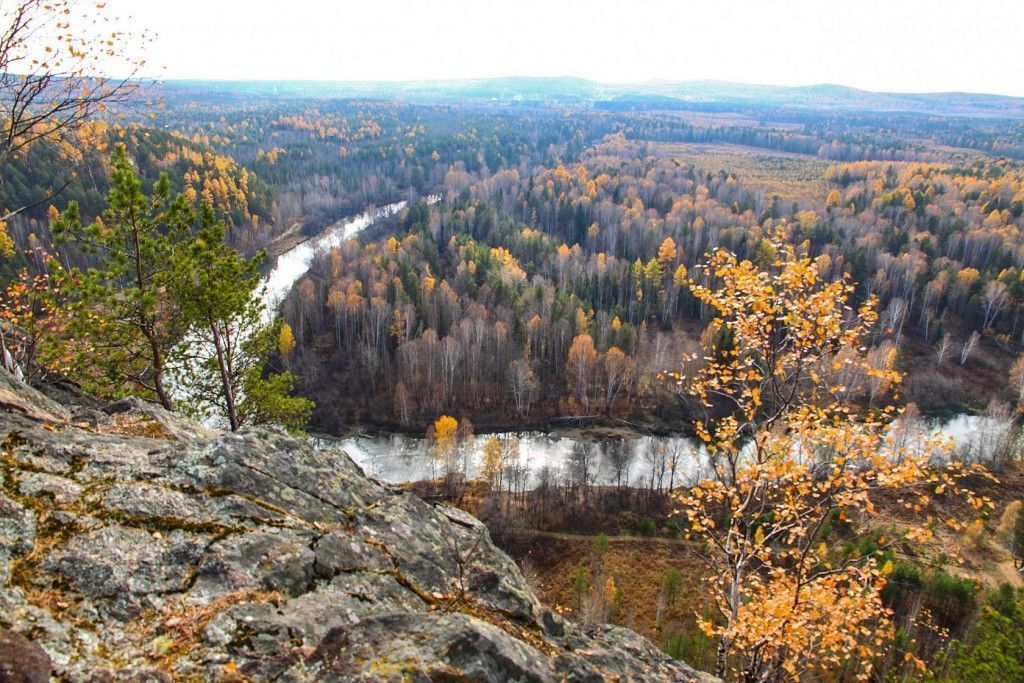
(738, 367)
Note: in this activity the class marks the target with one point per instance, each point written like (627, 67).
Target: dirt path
(623, 538)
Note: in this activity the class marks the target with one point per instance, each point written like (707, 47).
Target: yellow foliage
(908, 201)
(511, 271)
(445, 428)
(428, 283)
(286, 340)
(443, 433)
(6, 243)
(781, 389)
(491, 465)
(582, 320)
(680, 276)
(667, 252)
(610, 591)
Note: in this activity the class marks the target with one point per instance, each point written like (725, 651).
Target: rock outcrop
(135, 546)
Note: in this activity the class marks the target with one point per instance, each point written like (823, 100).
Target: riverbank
(568, 425)
(374, 419)
(286, 241)
(938, 392)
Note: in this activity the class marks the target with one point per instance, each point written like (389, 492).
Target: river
(399, 458)
(293, 264)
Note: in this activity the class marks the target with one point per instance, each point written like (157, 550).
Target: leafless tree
(944, 349)
(463, 554)
(994, 298)
(523, 385)
(53, 57)
(583, 466)
(968, 347)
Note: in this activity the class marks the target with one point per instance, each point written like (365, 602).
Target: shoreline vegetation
(573, 425)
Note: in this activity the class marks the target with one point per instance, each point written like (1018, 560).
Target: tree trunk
(158, 373)
(148, 325)
(721, 657)
(225, 378)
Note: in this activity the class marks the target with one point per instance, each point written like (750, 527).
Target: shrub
(674, 526)
(673, 583)
(950, 599)
(646, 526)
(903, 583)
(693, 647)
(580, 584)
(628, 520)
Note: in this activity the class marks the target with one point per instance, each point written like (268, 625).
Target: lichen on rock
(184, 554)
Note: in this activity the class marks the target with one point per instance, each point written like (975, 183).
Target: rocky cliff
(135, 545)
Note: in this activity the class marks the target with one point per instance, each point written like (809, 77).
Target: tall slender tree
(121, 306)
(220, 365)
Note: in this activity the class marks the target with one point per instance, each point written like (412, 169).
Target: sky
(882, 45)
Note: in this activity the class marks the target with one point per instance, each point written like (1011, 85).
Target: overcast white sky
(890, 45)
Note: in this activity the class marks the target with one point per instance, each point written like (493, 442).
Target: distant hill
(579, 91)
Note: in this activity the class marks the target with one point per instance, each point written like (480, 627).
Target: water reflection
(632, 461)
(639, 461)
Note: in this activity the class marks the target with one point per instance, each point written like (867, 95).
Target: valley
(316, 366)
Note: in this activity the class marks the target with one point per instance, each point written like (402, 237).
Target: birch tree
(789, 450)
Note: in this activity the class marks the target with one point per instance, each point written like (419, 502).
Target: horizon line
(620, 84)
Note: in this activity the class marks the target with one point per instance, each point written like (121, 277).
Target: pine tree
(171, 308)
(119, 309)
(268, 400)
(992, 650)
(215, 290)
(221, 364)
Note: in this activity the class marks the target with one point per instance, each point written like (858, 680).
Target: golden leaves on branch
(62, 62)
(784, 358)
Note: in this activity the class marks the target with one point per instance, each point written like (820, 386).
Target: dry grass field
(788, 175)
(639, 567)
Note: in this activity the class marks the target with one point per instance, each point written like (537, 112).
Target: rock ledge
(135, 547)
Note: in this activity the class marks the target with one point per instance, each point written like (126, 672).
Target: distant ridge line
(572, 90)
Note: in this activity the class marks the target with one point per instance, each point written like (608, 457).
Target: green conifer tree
(124, 322)
(220, 367)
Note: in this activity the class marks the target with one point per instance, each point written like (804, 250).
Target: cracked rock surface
(135, 547)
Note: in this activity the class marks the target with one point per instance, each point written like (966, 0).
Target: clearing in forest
(789, 175)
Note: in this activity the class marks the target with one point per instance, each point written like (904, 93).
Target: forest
(562, 291)
(769, 272)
